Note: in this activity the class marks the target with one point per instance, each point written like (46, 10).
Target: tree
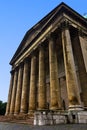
(2, 108)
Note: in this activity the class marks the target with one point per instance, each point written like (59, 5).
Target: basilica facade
(49, 68)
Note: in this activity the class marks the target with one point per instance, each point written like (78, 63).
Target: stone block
(44, 117)
(41, 122)
(82, 117)
(36, 122)
(49, 122)
(60, 122)
(49, 116)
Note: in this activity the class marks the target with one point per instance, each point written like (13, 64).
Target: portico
(49, 59)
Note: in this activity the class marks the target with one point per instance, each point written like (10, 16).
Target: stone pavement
(24, 119)
(15, 126)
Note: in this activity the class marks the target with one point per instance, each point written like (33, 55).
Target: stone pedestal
(49, 118)
(77, 117)
(82, 117)
(60, 117)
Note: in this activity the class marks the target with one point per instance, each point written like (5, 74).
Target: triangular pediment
(39, 28)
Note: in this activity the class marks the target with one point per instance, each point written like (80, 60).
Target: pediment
(43, 24)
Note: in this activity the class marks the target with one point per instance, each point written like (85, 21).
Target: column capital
(33, 55)
(64, 25)
(26, 60)
(12, 72)
(80, 32)
(41, 46)
(14, 69)
(51, 36)
(21, 64)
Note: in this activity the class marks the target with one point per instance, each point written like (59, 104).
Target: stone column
(10, 94)
(77, 41)
(19, 90)
(25, 88)
(32, 95)
(82, 66)
(42, 80)
(14, 92)
(55, 98)
(70, 71)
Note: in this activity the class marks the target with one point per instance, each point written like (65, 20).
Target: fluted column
(55, 99)
(25, 88)
(19, 90)
(32, 95)
(14, 92)
(70, 71)
(10, 94)
(42, 80)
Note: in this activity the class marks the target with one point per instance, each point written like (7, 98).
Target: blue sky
(16, 17)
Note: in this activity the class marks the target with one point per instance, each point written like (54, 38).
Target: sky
(17, 17)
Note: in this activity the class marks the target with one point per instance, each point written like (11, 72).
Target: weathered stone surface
(12, 106)
(42, 80)
(10, 94)
(49, 118)
(25, 88)
(82, 117)
(55, 100)
(62, 78)
(19, 91)
(71, 78)
(81, 69)
(32, 95)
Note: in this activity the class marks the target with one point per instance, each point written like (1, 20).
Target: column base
(75, 108)
(6, 114)
(16, 113)
(23, 112)
(55, 108)
(31, 112)
(11, 113)
(41, 109)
